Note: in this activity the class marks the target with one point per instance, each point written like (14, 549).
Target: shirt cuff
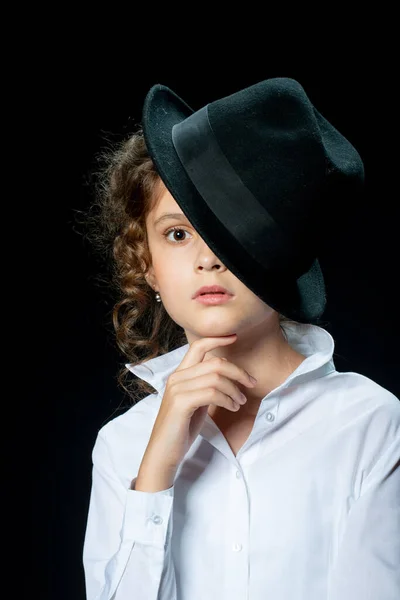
(147, 516)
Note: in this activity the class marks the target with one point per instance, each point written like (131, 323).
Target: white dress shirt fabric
(309, 509)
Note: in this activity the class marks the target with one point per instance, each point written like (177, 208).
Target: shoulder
(133, 421)
(357, 392)
(122, 441)
(365, 411)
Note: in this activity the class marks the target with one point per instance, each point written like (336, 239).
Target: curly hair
(125, 192)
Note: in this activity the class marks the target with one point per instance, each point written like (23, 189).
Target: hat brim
(302, 299)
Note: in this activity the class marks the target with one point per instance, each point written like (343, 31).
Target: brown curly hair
(125, 187)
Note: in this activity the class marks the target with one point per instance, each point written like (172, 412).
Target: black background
(78, 97)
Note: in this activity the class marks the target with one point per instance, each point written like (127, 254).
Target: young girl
(251, 468)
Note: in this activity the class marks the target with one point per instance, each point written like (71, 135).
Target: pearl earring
(158, 297)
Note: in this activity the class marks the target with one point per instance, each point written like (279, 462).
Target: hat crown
(286, 153)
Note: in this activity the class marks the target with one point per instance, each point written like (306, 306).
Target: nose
(208, 260)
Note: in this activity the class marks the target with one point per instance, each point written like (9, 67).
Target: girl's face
(182, 263)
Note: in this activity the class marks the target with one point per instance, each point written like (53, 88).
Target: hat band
(226, 195)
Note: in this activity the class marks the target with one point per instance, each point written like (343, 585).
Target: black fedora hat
(256, 173)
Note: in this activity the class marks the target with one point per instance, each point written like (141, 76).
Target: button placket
(237, 523)
(237, 546)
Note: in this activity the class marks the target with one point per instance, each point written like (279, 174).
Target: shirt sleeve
(127, 546)
(368, 563)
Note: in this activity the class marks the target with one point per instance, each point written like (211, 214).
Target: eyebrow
(175, 216)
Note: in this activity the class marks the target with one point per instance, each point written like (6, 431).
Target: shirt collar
(314, 342)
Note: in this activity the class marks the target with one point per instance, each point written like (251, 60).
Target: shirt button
(238, 474)
(269, 416)
(157, 520)
(237, 547)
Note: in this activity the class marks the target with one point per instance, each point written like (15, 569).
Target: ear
(150, 278)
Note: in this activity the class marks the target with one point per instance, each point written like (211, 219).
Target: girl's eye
(173, 230)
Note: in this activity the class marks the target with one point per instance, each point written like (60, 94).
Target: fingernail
(252, 379)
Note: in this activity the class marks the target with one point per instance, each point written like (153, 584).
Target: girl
(251, 468)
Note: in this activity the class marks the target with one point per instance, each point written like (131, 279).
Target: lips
(213, 299)
(211, 290)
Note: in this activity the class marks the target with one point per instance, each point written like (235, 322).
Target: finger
(220, 399)
(212, 381)
(214, 364)
(199, 349)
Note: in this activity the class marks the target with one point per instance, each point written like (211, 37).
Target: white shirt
(309, 509)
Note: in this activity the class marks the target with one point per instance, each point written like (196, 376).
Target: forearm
(154, 476)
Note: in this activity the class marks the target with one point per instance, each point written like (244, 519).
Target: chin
(207, 333)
